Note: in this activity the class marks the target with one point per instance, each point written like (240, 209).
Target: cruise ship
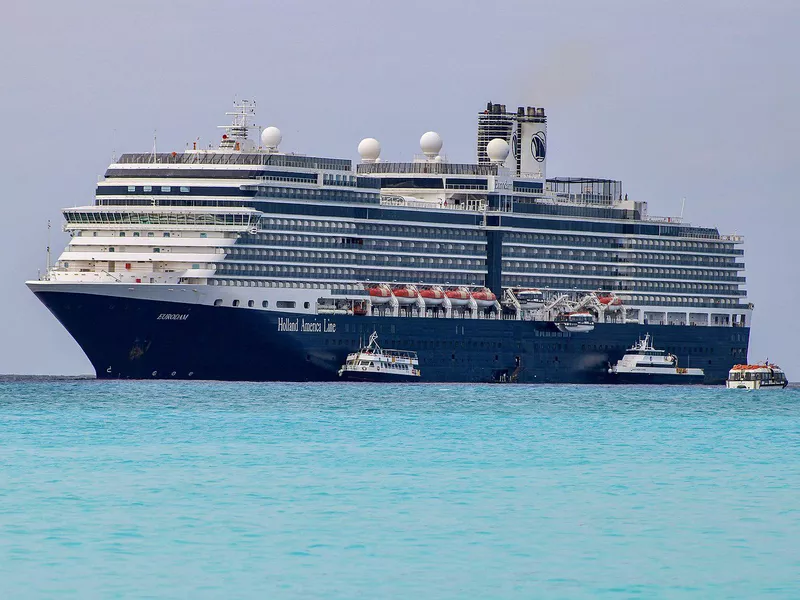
(239, 261)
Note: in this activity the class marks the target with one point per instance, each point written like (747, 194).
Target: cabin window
(251, 303)
(166, 188)
(264, 303)
(156, 250)
(306, 304)
(135, 234)
(147, 188)
(121, 234)
(236, 303)
(166, 234)
(203, 235)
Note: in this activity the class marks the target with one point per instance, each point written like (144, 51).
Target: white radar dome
(271, 137)
(369, 149)
(497, 150)
(431, 143)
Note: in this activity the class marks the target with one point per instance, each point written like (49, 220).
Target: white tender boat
(575, 322)
(643, 363)
(373, 363)
(530, 298)
(755, 377)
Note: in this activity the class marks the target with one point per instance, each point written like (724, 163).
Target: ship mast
(236, 133)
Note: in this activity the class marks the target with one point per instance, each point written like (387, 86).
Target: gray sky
(677, 99)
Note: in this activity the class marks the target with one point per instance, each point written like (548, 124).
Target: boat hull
(656, 379)
(373, 377)
(153, 339)
(754, 385)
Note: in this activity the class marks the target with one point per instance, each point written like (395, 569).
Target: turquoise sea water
(216, 490)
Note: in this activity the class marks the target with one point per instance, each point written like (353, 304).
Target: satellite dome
(497, 150)
(369, 149)
(271, 137)
(431, 143)
(437, 158)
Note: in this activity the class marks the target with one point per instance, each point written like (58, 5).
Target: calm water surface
(214, 490)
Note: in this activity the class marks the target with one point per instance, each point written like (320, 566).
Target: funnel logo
(514, 146)
(539, 146)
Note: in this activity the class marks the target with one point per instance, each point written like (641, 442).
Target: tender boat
(755, 377)
(644, 364)
(576, 322)
(373, 363)
(529, 298)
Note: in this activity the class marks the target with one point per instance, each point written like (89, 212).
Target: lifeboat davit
(432, 297)
(459, 297)
(484, 298)
(405, 295)
(380, 294)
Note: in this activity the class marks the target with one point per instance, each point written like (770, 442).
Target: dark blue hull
(125, 338)
(656, 379)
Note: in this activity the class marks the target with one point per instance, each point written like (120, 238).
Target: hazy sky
(678, 99)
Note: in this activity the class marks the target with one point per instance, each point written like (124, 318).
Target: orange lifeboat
(458, 297)
(484, 298)
(380, 294)
(432, 297)
(610, 302)
(405, 295)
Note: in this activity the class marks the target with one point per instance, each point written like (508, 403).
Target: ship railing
(212, 157)
(427, 168)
